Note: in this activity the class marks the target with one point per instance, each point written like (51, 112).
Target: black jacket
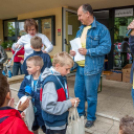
(3, 55)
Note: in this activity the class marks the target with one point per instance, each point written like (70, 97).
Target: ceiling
(12, 8)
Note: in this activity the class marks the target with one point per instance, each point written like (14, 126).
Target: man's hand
(75, 101)
(72, 53)
(24, 105)
(82, 51)
(131, 26)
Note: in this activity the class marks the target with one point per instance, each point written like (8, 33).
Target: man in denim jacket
(131, 42)
(96, 43)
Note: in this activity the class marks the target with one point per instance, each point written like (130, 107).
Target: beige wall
(58, 23)
(1, 31)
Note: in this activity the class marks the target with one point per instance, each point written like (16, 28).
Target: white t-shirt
(25, 40)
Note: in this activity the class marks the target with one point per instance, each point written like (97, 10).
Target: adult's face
(31, 30)
(83, 17)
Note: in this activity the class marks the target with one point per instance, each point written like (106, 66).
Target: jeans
(85, 89)
(16, 68)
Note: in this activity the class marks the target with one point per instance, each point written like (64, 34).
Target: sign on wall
(124, 12)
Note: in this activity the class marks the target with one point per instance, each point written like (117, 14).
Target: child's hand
(28, 90)
(23, 116)
(75, 101)
(24, 105)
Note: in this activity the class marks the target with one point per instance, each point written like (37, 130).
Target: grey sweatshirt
(50, 97)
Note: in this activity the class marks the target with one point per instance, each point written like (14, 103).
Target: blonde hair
(37, 60)
(36, 42)
(62, 58)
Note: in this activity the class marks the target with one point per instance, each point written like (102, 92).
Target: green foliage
(11, 29)
(121, 21)
(7, 44)
(4, 45)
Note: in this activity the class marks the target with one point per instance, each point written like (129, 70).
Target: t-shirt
(83, 42)
(34, 88)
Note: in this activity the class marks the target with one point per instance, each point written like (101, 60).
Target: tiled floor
(114, 102)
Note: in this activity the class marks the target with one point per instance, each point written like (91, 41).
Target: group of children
(46, 83)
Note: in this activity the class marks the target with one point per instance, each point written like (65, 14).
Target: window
(13, 28)
(122, 55)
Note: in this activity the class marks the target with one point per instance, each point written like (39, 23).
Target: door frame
(64, 10)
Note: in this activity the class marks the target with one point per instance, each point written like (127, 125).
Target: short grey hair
(87, 8)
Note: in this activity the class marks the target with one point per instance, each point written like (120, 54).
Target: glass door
(70, 27)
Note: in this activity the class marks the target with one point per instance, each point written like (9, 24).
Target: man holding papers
(95, 42)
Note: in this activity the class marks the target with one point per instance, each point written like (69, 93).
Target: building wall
(1, 31)
(58, 24)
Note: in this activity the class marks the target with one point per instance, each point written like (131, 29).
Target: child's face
(31, 68)
(64, 70)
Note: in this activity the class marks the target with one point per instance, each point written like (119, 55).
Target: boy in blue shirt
(36, 44)
(31, 86)
(55, 96)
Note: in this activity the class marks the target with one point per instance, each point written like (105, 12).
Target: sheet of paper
(76, 44)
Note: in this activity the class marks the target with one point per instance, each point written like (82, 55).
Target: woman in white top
(31, 27)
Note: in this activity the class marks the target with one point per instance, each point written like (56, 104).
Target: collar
(53, 71)
(30, 77)
(6, 108)
(37, 52)
(93, 24)
(32, 36)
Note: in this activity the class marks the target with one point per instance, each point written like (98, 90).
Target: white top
(25, 40)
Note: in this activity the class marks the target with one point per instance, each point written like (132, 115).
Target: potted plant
(7, 45)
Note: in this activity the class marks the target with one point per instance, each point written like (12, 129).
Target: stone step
(103, 125)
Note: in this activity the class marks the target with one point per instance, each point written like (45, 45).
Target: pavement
(114, 102)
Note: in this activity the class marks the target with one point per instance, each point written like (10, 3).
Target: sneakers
(89, 124)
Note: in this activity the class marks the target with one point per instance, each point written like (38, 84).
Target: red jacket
(21, 52)
(11, 122)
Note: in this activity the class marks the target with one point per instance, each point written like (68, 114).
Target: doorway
(70, 27)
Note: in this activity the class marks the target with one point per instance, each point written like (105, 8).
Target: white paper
(76, 44)
(70, 30)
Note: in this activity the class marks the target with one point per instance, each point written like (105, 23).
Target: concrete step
(103, 125)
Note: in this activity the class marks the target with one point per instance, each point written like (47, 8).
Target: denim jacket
(131, 43)
(98, 43)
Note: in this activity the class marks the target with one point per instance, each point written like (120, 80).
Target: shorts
(48, 131)
(39, 123)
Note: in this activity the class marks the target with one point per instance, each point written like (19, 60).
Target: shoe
(89, 124)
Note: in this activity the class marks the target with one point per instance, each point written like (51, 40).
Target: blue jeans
(16, 68)
(86, 88)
